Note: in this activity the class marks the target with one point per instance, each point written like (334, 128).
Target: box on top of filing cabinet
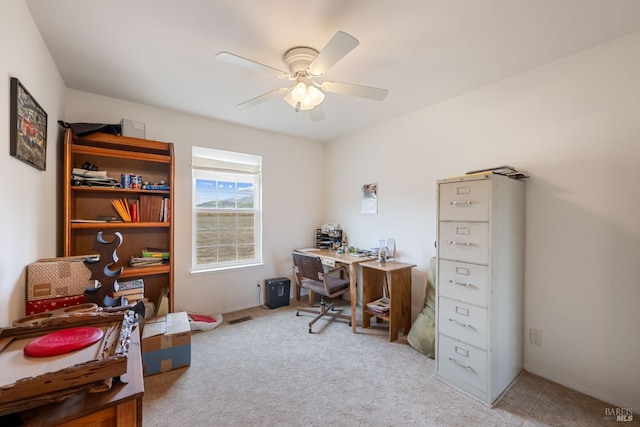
(132, 129)
(166, 343)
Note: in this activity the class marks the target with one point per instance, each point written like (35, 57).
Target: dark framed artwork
(28, 122)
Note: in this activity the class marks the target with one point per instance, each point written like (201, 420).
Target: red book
(134, 212)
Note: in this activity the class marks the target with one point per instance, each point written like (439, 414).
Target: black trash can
(277, 292)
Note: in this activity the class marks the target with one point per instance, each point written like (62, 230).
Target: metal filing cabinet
(480, 281)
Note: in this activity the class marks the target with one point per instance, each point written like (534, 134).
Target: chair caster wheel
(349, 323)
(297, 313)
(310, 331)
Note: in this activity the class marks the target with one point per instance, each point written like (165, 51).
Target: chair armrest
(338, 269)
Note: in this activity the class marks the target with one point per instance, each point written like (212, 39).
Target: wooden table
(328, 257)
(119, 406)
(393, 280)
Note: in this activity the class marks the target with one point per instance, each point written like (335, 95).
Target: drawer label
(462, 351)
(463, 230)
(462, 311)
(462, 270)
(463, 190)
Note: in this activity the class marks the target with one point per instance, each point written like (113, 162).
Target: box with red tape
(42, 305)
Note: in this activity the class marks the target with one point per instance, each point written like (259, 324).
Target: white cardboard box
(132, 129)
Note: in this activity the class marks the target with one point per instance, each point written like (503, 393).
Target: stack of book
(132, 290)
(380, 306)
(505, 170)
(155, 253)
(92, 178)
(140, 261)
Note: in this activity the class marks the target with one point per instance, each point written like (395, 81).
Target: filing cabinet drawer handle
(460, 203)
(455, 282)
(455, 362)
(453, 242)
(455, 322)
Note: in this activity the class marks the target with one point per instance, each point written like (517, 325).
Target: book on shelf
(101, 218)
(135, 216)
(130, 284)
(156, 187)
(155, 253)
(381, 305)
(130, 298)
(122, 207)
(138, 261)
(129, 292)
(109, 218)
(164, 215)
(88, 173)
(150, 208)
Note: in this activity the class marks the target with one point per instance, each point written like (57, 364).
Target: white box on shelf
(132, 129)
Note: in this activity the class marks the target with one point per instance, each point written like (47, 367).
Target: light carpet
(269, 371)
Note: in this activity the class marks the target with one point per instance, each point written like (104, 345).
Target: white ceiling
(162, 52)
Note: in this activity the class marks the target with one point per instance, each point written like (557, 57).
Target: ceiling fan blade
(355, 90)
(263, 98)
(316, 113)
(252, 65)
(341, 44)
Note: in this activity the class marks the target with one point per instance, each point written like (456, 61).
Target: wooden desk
(395, 278)
(329, 256)
(119, 406)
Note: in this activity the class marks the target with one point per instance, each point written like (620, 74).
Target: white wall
(292, 195)
(29, 196)
(574, 126)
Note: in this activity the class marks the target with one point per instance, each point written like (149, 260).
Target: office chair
(309, 274)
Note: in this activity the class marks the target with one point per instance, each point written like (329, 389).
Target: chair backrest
(309, 266)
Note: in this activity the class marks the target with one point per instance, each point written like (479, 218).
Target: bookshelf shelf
(144, 271)
(385, 317)
(117, 155)
(113, 224)
(82, 188)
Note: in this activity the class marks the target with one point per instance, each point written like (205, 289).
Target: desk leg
(396, 307)
(353, 294)
(400, 284)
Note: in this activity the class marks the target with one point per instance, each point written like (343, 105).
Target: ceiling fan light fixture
(306, 104)
(299, 91)
(315, 95)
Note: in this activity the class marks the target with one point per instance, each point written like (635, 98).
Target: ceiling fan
(304, 66)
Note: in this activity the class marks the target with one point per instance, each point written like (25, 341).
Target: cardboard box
(56, 277)
(166, 343)
(133, 129)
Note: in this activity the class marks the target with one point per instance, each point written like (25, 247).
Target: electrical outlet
(535, 336)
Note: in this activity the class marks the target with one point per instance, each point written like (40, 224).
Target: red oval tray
(63, 341)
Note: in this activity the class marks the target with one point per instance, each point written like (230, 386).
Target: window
(226, 206)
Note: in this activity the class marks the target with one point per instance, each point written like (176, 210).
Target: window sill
(225, 269)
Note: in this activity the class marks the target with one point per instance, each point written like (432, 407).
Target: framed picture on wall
(28, 123)
(369, 199)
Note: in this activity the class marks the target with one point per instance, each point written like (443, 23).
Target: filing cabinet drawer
(465, 322)
(468, 200)
(461, 361)
(464, 241)
(464, 282)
